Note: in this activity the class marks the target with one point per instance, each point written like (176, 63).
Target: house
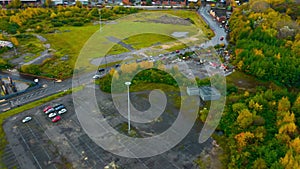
(218, 14)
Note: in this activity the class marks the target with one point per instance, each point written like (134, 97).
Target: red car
(222, 38)
(47, 108)
(177, 51)
(56, 119)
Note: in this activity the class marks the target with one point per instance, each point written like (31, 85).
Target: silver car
(26, 119)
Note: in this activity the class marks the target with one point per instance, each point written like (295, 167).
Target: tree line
(266, 40)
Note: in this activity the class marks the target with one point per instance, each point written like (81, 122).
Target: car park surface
(48, 145)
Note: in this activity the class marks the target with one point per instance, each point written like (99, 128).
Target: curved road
(51, 87)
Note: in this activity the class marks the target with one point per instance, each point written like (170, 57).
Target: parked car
(56, 119)
(117, 65)
(62, 111)
(222, 38)
(26, 119)
(52, 115)
(96, 76)
(47, 108)
(58, 107)
(101, 70)
(51, 110)
(177, 51)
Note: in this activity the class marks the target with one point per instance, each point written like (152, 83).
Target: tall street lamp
(128, 84)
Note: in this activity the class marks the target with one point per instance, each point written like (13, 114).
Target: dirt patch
(166, 19)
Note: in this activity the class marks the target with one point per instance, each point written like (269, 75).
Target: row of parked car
(54, 112)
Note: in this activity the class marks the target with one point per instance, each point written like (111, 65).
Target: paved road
(52, 88)
(215, 26)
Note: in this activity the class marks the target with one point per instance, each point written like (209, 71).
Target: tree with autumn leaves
(260, 130)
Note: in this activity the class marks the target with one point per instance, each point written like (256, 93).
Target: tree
(259, 164)
(199, 3)
(245, 118)
(15, 4)
(48, 3)
(284, 104)
(295, 144)
(191, 5)
(78, 4)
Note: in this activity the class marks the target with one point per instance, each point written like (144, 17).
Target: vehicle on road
(52, 115)
(62, 111)
(56, 119)
(117, 65)
(222, 38)
(26, 119)
(177, 51)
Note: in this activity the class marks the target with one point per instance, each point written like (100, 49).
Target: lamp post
(128, 111)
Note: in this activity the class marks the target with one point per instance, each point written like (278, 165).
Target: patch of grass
(176, 47)
(5, 115)
(246, 82)
(117, 49)
(151, 86)
(147, 39)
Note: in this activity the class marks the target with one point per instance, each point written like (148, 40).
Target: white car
(52, 115)
(26, 119)
(96, 76)
(62, 111)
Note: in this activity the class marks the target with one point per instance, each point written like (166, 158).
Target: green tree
(259, 164)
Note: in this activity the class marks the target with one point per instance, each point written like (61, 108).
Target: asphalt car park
(44, 144)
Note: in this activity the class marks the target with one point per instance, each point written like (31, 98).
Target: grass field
(147, 40)
(82, 44)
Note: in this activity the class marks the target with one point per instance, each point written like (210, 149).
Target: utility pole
(128, 111)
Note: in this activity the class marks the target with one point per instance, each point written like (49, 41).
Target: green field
(87, 42)
(146, 40)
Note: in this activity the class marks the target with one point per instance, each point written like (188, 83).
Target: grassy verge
(5, 115)
(117, 49)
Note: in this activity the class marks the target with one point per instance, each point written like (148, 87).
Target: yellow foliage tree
(288, 128)
(295, 144)
(243, 138)
(289, 161)
(284, 104)
(14, 40)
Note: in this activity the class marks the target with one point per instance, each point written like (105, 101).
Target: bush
(77, 23)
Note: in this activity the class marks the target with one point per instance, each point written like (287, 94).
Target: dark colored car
(101, 70)
(222, 38)
(58, 107)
